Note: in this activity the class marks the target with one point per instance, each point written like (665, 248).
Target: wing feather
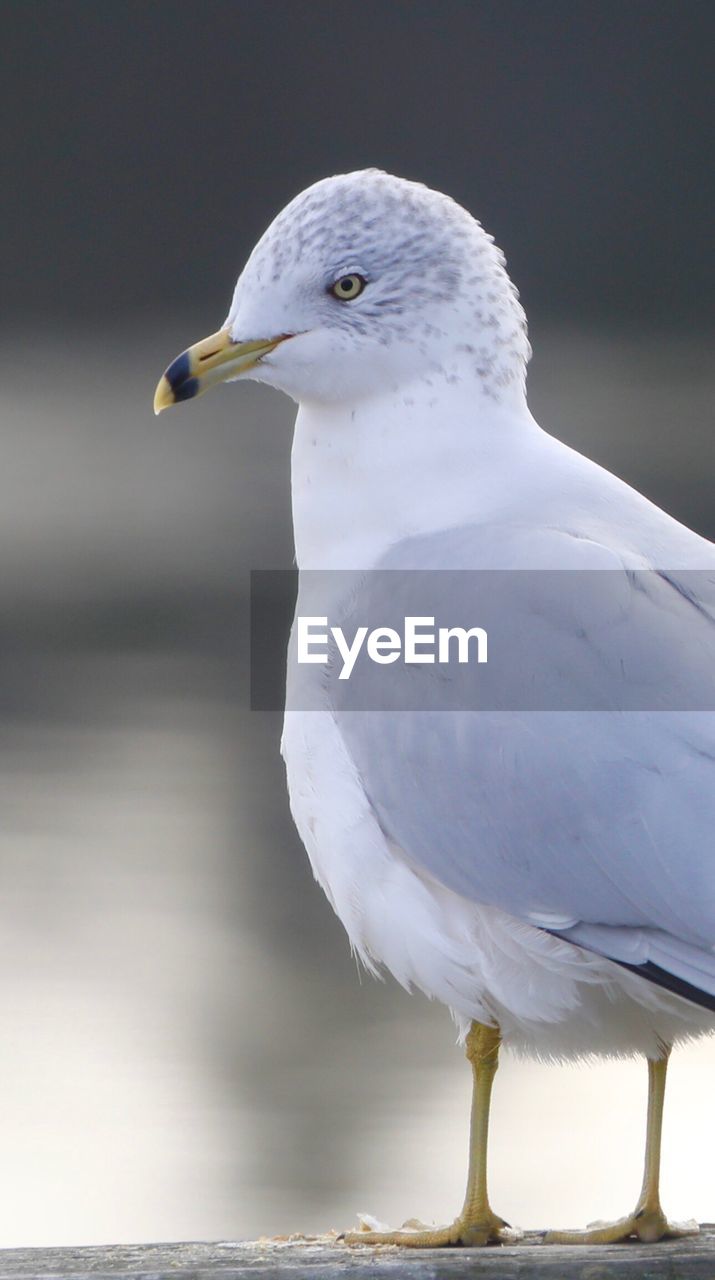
(593, 815)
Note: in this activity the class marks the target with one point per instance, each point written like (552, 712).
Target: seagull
(544, 868)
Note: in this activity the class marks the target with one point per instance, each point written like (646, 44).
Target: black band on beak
(179, 377)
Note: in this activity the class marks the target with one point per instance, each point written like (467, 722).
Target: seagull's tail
(681, 967)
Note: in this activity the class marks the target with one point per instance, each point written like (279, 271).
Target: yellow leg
(476, 1224)
(647, 1222)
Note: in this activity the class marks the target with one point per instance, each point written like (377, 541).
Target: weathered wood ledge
(325, 1258)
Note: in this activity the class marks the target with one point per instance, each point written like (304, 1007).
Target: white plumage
(409, 437)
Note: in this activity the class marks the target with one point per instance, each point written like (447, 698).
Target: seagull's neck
(368, 475)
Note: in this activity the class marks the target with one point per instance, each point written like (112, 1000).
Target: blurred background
(188, 1050)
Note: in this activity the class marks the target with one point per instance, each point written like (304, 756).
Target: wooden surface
(326, 1258)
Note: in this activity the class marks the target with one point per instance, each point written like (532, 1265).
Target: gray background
(188, 1050)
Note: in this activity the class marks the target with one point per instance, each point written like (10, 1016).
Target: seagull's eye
(348, 287)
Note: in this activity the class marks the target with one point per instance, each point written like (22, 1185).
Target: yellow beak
(208, 362)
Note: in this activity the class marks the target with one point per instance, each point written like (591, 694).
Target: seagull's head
(362, 283)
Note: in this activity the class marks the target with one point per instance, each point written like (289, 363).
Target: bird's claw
(646, 1225)
(489, 1230)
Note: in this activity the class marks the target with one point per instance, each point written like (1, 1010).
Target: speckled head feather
(437, 291)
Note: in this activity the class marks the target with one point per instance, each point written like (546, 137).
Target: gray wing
(552, 802)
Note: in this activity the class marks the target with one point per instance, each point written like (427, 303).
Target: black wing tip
(669, 981)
